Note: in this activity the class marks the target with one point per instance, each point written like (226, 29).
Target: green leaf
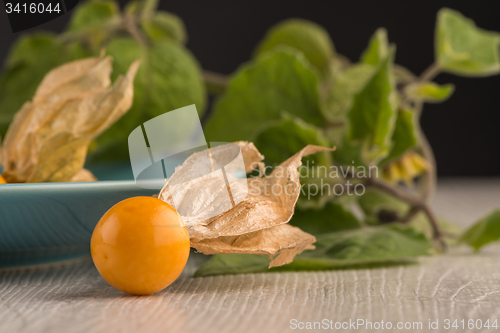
(261, 91)
(94, 22)
(404, 136)
(308, 37)
(464, 49)
(224, 264)
(378, 48)
(372, 117)
(92, 15)
(344, 249)
(369, 245)
(348, 154)
(483, 232)
(430, 92)
(141, 7)
(29, 59)
(332, 217)
(164, 25)
(169, 78)
(347, 84)
(150, 5)
(281, 139)
(403, 75)
(221, 264)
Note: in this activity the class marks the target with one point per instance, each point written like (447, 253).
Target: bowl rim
(100, 184)
(92, 183)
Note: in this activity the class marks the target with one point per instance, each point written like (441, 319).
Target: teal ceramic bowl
(43, 224)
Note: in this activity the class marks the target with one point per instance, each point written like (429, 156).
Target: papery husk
(49, 137)
(284, 239)
(406, 169)
(255, 225)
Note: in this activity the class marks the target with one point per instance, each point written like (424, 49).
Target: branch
(130, 25)
(416, 204)
(430, 73)
(430, 177)
(110, 27)
(412, 213)
(120, 23)
(216, 83)
(334, 124)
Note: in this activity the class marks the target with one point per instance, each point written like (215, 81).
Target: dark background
(464, 131)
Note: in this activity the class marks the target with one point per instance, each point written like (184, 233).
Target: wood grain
(459, 285)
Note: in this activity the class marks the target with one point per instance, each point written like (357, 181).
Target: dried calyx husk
(50, 135)
(406, 168)
(259, 223)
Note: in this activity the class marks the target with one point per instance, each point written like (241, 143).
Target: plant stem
(216, 83)
(416, 204)
(429, 73)
(412, 213)
(430, 178)
(111, 27)
(130, 24)
(397, 192)
(334, 124)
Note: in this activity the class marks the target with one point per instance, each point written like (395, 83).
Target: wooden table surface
(459, 285)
